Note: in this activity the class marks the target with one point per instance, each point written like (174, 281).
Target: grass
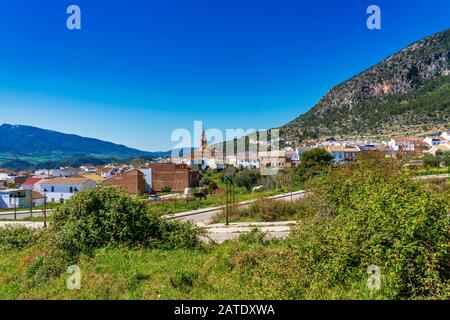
(433, 171)
(265, 210)
(119, 273)
(111, 273)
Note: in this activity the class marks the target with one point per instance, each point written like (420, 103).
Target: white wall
(63, 191)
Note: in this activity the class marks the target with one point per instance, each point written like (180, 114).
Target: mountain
(408, 93)
(36, 141)
(22, 145)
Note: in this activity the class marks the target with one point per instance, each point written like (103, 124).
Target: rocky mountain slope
(408, 93)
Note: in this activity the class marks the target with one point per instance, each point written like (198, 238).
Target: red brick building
(176, 176)
(131, 182)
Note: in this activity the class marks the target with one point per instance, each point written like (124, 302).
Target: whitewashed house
(248, 159)
(65, 172)
(32, 184)
(44, 173)
(435, 141)
(446, 136)
(404, 144)
(61, 189)
(88, 169)
(15, 199)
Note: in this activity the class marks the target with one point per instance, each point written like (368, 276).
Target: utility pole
(31, 203)
(229, 192)
(291, 182)
(45, 209)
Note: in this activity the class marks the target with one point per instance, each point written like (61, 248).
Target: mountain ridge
(23, 146)
(386, 98)
(29, 139)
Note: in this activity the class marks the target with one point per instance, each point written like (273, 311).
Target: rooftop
(65, 181)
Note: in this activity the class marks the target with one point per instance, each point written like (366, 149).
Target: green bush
(18, 237)
(247, 178)
(184, 281)
(104, 217)
(270, 210)
(374, 214)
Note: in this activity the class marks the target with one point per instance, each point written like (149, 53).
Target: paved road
(219, 233)
(434, 176)
(28, 224)
(23, 214)
(205, 216)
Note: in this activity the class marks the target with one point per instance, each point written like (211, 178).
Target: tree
(247, 178)
(209, 184)
(313, 162)
(316, 158)
(446, 160)
(429, 160)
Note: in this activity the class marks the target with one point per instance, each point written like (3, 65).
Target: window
(71, 189)
(53, 189)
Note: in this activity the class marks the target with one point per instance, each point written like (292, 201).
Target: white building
(32, 184)
(404, 144)
(42, 174)
(440, 148)
(88, 169)
(65, 172)
(446, 136)
(248, 159)
(62, 189)
(435, 141)
(15, 199)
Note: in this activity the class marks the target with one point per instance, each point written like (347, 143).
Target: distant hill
(22, 145)
(408, 93)
(36, 141)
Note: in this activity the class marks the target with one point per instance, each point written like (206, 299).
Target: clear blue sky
(139, 69)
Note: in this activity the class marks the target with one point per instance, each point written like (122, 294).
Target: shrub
(374, 214)
(103, 217)
(166, 189)
(247, 178)
(183, 280)
(18, 237)
(256, 236)
(269, 210)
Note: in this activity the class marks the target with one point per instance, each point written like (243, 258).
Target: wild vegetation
(365, 214)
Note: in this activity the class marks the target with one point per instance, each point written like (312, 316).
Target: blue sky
(137, 70)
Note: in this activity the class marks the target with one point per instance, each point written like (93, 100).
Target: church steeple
(203, 144)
